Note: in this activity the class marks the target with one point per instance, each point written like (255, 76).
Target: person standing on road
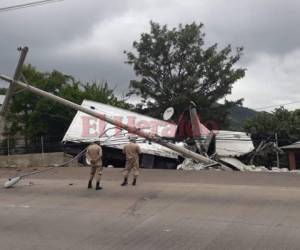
(131, 151)
(94, 159)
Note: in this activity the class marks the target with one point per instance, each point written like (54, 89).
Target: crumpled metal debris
(189, 164)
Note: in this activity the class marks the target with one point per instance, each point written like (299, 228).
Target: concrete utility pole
(152, 137)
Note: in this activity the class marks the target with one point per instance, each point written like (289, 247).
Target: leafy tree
(173, 67)
(33, 116)
(281, 121)
(102, 93)
(2, 91)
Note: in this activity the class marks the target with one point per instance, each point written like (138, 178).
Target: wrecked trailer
(85, 129)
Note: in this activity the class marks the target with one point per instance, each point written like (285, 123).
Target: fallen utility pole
(152, 137)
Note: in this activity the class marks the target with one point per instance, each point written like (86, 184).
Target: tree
(174, 67)
(101, 92)
(2, 91)
(281, 121)
(33, 116)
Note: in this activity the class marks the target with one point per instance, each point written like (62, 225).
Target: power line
(273, 106)
(27, 5)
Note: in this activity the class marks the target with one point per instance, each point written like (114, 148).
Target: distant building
(293, 152)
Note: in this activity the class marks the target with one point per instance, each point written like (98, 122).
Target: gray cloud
(86, 39)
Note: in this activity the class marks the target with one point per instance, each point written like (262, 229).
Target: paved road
(167, 210)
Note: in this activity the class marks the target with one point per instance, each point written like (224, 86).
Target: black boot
(125, 182)
(134, 181)
(90, 184)
(98, 186)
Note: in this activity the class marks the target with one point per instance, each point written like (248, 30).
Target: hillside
(238, 115)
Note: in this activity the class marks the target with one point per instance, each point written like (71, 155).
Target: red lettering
(89, 126)
(118, 120)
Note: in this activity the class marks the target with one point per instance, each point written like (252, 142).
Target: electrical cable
(27, 5)
(279, 105)
(15, 179)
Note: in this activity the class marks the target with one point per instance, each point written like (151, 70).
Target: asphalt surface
(167, 210)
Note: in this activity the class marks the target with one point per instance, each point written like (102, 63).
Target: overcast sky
(86, 39)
